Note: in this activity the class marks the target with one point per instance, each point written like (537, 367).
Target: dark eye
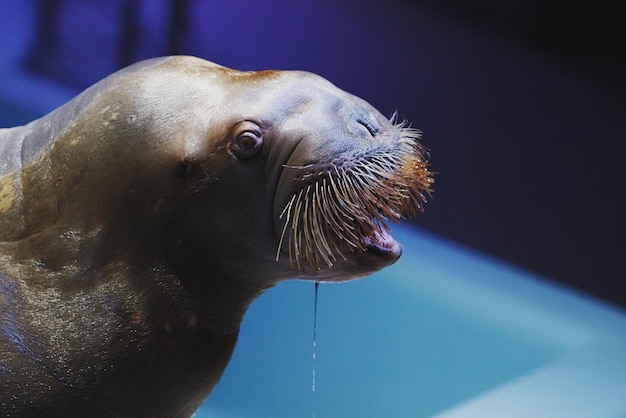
(247, 143)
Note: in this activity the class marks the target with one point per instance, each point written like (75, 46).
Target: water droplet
(314, 354)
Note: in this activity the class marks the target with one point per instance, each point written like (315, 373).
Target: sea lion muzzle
(344, 205)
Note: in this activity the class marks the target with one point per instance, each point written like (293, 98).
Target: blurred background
(522, 102)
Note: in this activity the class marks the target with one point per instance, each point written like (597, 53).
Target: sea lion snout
(351, 173)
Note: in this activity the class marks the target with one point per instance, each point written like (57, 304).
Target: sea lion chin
(141, 219)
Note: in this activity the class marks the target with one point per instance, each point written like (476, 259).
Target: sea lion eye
(247, 143)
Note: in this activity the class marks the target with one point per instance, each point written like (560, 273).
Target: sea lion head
(309, 176)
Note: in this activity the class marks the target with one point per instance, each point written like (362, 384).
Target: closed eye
(370, 128)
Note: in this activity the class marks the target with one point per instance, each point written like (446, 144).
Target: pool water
(443, 331)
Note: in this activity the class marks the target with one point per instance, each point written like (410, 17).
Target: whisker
(338, 208)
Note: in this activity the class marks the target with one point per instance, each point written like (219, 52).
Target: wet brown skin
(140, 220)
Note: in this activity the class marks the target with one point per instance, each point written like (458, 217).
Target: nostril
(370, 128)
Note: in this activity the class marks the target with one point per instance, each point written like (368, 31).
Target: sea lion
(140, 220)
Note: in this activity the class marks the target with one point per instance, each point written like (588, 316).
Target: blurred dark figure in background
(48, 38)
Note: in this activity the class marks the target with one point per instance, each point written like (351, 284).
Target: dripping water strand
(314, 355)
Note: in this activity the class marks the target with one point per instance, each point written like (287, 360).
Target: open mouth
(382, 244)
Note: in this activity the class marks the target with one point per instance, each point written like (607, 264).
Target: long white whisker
(338, 208)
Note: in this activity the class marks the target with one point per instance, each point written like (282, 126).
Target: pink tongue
(382, 242)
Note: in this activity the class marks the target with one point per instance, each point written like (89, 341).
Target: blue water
(441, 327)
(379, 353)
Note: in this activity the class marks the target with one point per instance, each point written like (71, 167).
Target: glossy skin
(140, 220)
